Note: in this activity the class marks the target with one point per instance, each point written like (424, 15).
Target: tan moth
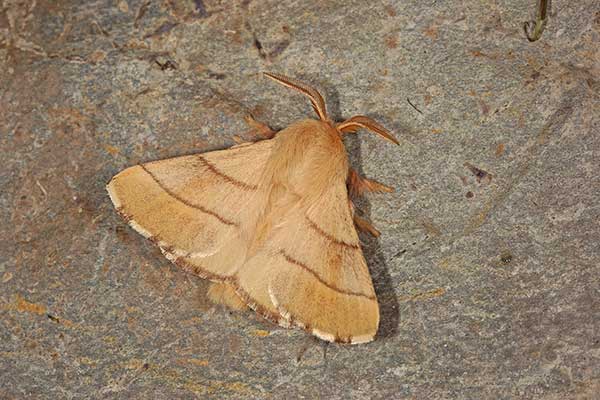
(271, 223)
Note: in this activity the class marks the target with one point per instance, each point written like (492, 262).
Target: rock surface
(488, 266)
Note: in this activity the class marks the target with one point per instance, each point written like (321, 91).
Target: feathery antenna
(360, 121)
(315, 97)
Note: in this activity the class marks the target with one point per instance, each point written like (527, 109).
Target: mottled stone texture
(487, 269)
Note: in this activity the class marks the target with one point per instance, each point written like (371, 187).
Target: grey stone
(487, 269)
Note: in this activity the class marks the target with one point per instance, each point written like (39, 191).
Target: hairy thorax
(309, 157)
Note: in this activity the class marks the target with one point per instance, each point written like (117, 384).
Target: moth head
(350, 125)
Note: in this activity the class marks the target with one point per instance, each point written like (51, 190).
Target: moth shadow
(386, 295)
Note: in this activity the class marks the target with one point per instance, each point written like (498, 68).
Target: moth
(270, 223)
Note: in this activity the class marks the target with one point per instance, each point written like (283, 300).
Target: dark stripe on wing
(225, 177)
(329, 236)
(293, 261)
(187, 203)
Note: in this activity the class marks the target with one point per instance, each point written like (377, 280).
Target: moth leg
(362, 224)
(223, 293)
(357, 185)
(259, 127)
(365, 226)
